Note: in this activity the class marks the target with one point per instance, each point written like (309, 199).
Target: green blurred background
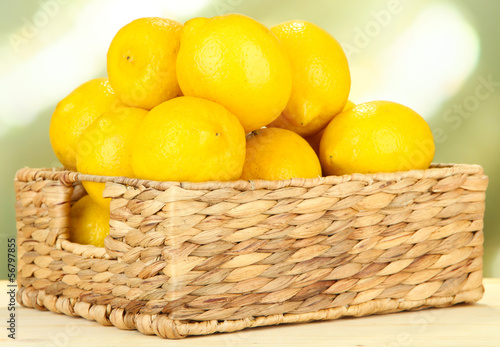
(440, 57)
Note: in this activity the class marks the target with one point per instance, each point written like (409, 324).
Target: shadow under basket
(199, 258)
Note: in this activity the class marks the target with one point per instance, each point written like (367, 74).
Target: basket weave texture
(199, 258)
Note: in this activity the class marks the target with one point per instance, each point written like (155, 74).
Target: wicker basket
(199, 258)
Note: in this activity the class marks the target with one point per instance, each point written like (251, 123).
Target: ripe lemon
(89, 222)
(321, 80)
(238, 63)
(315, 139)
(189, 139)
(141, 62)
(105, 148)
(278, 154)
(378, 136)
(75, 113)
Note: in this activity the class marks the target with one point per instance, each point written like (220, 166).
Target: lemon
(377, 136)
(238, 63)
(75, 113)
(189, 139)
(141, 62)
(105, 148)
(321, 80)
(89, 222)
(278, 154)
(315, 139)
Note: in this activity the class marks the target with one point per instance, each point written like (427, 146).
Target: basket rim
(436, 170)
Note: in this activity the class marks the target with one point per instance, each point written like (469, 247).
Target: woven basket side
(228, 254)
(196, 259)
(42, 208)
(43, 202)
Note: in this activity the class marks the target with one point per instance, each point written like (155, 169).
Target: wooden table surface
(462, 325)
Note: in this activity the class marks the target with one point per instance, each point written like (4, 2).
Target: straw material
(198, 258)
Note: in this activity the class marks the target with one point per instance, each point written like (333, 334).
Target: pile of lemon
(226, 98)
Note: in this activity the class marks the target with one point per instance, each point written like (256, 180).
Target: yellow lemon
(278, 154)
(105, 148)
(141, 62)
(89, 222)
(321, 78)
(315, 139)
(378, 136)
(238, 63)
(189, 139)
(75, 113)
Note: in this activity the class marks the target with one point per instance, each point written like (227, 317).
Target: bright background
(440, 57)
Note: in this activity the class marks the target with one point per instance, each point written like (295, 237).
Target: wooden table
(461, 325)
